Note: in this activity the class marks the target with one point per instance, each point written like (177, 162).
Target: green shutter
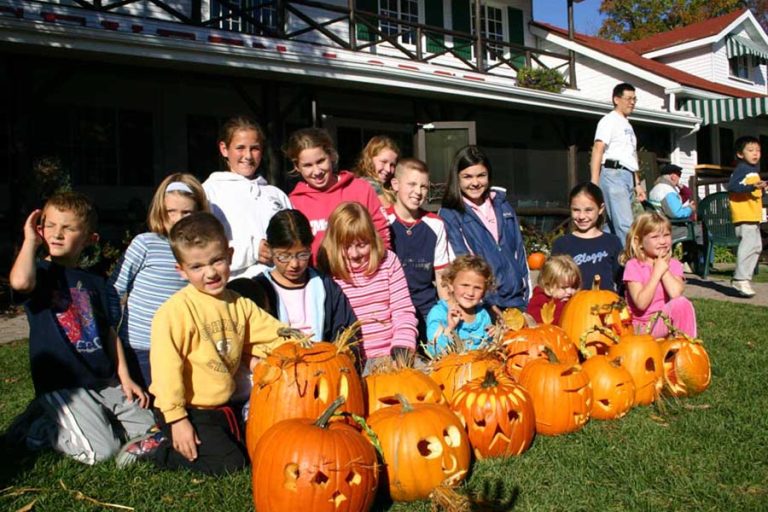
(461, 23)
(516, 33)
(363, 32)
(433, 16)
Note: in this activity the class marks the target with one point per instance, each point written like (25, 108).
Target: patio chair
(715, 214)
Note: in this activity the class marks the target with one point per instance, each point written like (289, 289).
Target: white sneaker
(744, 288)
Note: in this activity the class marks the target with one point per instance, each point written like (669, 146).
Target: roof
(627, 54)
(700, 30)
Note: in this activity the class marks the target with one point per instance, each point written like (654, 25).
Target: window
(99, 146)
(261, 11)
(742, 66)
(493, 29)
(405, 10)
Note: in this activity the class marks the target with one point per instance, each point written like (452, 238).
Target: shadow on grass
(722, 287)
(16, 460)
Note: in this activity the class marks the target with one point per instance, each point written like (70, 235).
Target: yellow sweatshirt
(196, 345)
(745, 206)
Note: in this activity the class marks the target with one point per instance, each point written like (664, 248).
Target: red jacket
(538, 300)
(318, 205)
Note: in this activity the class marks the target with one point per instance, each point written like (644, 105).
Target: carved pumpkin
(498, 415)
(455, 369)
(613, 390)
(687, 370)
(423, 445)
(383, 383)
(299, 381)
(595, 307)
(641, 356)
(536, 260)
(301, 464)
(522, 344)
(561, 394)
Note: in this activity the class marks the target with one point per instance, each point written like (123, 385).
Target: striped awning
(725, 110)
(736, 46)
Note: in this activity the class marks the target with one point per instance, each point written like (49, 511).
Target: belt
(615, 164)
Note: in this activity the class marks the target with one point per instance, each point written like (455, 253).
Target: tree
(630, 20)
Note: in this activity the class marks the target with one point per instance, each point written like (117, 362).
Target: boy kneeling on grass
(86, 403)
(198, 338)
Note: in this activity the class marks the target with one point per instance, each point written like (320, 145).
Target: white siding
(699, 62)
(143, 9)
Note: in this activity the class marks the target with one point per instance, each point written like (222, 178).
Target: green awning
(736, 46)
(725, 110)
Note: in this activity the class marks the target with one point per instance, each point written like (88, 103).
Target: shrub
(541, 79)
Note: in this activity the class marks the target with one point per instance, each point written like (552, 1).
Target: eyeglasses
(631, 99)
(286, 257)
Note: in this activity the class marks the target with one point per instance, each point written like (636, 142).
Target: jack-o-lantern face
(301, 465)
(687, 370)
(641, 356)
(498, 415)
(455, 369)
(595, 308)
(613, 390)
(297, 381)
(522, 345)
(423, 445)
(383, 384)
(561, 394)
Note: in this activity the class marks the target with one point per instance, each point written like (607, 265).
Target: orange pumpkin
(384, 383)
(498, 415)
(641, 356)
(561, 394)
(536, 260)
(687, 370)
(423, 445)
(299, 381)
(613, 390)
(522, 345)
(455, 369)
(590, 308)
(300, 464)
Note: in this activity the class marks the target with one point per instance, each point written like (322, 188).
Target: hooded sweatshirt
(318, 205)
(665, 196)
(244, 206)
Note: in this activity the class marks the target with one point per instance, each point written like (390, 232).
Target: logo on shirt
(318, 225)
(75, 316)
(595, 257)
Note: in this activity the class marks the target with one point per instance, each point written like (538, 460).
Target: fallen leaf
(29, 506)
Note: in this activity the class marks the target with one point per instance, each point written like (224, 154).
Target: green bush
(541, 79)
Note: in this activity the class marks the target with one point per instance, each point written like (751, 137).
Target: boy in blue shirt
(89, 405)
(418, 238)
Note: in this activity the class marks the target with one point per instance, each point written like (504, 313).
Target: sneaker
(139, 448)
(743, 287)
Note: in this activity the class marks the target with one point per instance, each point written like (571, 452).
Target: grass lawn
(705, 453)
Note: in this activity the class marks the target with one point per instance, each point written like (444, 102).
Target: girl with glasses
(292, 291)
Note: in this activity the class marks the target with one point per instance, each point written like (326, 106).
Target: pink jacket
(317, 205)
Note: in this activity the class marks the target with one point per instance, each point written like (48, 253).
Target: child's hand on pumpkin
(185, 439)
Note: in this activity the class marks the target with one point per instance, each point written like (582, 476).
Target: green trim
(461, 23)
(516, 29)
(433, 16)
(363, 32)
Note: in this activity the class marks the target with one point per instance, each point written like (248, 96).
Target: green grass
(704, 453)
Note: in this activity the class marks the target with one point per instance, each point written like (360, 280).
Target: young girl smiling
(467, 278)
(480, 221)
(654, 278)
(594, 251)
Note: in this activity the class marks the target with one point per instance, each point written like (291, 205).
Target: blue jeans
(618, 186)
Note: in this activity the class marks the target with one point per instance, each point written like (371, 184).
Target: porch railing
(344, 27)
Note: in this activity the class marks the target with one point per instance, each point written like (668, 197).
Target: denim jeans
(618, 186)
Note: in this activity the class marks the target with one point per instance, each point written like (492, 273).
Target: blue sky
(586, 18)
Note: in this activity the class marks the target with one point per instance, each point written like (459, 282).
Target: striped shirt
(382, 302)
(148, 276)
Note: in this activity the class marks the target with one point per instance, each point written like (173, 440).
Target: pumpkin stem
(550, 354)
(596, 283)
(616, 362)
(324, 418)
(490, 380)
(407, 407)
(369, 432)
(674, 330)
(346, 338)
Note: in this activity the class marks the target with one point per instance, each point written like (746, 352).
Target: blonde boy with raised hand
(198, 339)
(86, 405)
